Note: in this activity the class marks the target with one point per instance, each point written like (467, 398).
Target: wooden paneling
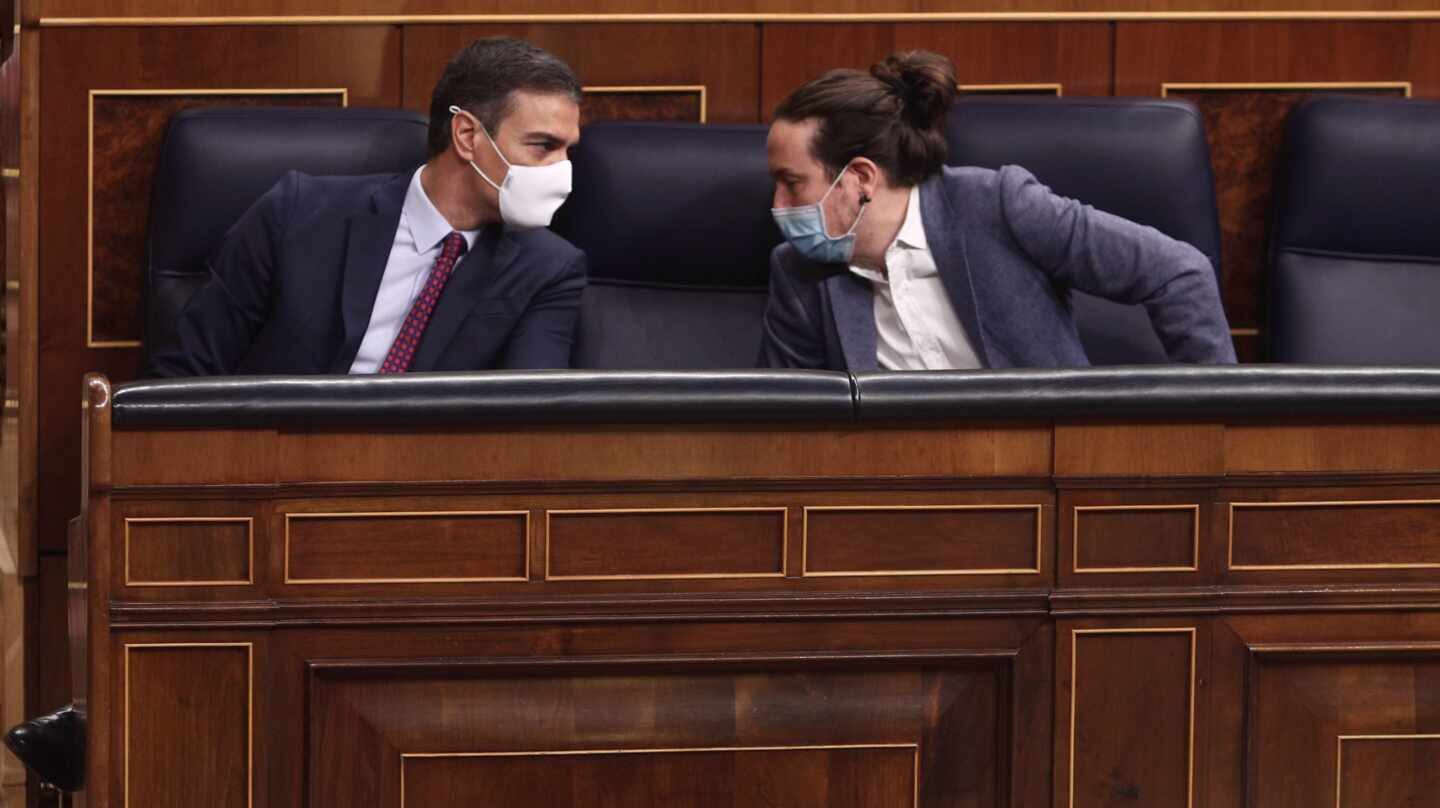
(1135, 538)
(1335, 534)
(878, 776)
(187, 731)
(406, 547)
(188, 551)
(126, 133)
(923, 540)
(1130, 717)
(1247, 70)
(722, 58)
(1075, 55)
(832, 733)
(660, 103)
(1106, 450)
(1388, 770)
(1334, 448)
(699, 543)
(242, 8)
(1361, 724)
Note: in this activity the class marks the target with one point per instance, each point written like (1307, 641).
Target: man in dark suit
(445, 268)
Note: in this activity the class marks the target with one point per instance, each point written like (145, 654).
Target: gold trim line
(1039, 509)
(983, 89)
(90, 341)
(784, 512)
(740, 17)
(287, 579)
(1075, 539)
(1182, 86)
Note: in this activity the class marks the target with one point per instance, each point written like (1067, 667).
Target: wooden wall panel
(1246, 72)
(363, 59)
(406, 546)
(722, 58)
(241, 8)
(693, 543)
(1075, 55)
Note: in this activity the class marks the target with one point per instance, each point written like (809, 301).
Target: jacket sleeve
(543, 337)
(791, 336)
(220, 321)
(1110, 257)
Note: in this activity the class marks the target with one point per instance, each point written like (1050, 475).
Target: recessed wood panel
(1359, 722)
(699, 543)
(921, 540)
(1136, 538)
(1388, 770)
(868, 776)
(127, 130)
(187, 725)
(721, 58)
(1132, 714)
(657, 103)
(1074, 55)
(1334, 535)
(413, 547)
(188, 551)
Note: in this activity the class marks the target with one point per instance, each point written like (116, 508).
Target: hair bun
(923, 81)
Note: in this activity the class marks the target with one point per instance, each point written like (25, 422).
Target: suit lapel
(947, 245)
(494, 250)
(367, 251)
(852, 304)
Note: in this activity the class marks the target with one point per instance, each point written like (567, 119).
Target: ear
(868, 175)
(463, 132)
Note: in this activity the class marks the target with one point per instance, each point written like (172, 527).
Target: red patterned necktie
(402, 351)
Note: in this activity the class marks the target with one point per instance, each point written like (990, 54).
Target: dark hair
(893, 114)
(481, 77)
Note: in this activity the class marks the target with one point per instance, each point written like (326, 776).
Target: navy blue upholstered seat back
(675, 221)
(1143, 159)
(1355, 250)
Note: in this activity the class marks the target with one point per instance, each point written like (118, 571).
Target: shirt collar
(427, 227)
(912, 232)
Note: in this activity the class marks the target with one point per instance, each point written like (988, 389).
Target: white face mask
(529, 195)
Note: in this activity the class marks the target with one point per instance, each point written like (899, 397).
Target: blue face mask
(804, 227)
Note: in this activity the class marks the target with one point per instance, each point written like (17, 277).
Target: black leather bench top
(773, 395)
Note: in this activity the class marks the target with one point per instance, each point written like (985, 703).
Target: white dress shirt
(417, 244)
(915, 325)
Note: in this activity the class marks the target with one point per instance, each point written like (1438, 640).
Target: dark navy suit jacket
(293, 284)
(1009, 251)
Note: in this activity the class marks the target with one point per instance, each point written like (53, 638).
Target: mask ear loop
(454, 110)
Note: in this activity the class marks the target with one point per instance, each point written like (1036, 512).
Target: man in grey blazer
(895, 261)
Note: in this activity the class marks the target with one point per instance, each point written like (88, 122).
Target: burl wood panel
(365, 59)
(187, 726)
(698, 543)
(1139, 538)
(399, 547)
(1320, 714)
(1389, 771)
(917, 540)
(127, 134)
(945, 722)
(1334, 535)
(686, 106)
(723, 58)
(865, 777)
(1130, 717)
(1245, 124)
(188, 550)
(1075, 55)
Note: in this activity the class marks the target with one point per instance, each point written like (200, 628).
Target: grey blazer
(1009, 251)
